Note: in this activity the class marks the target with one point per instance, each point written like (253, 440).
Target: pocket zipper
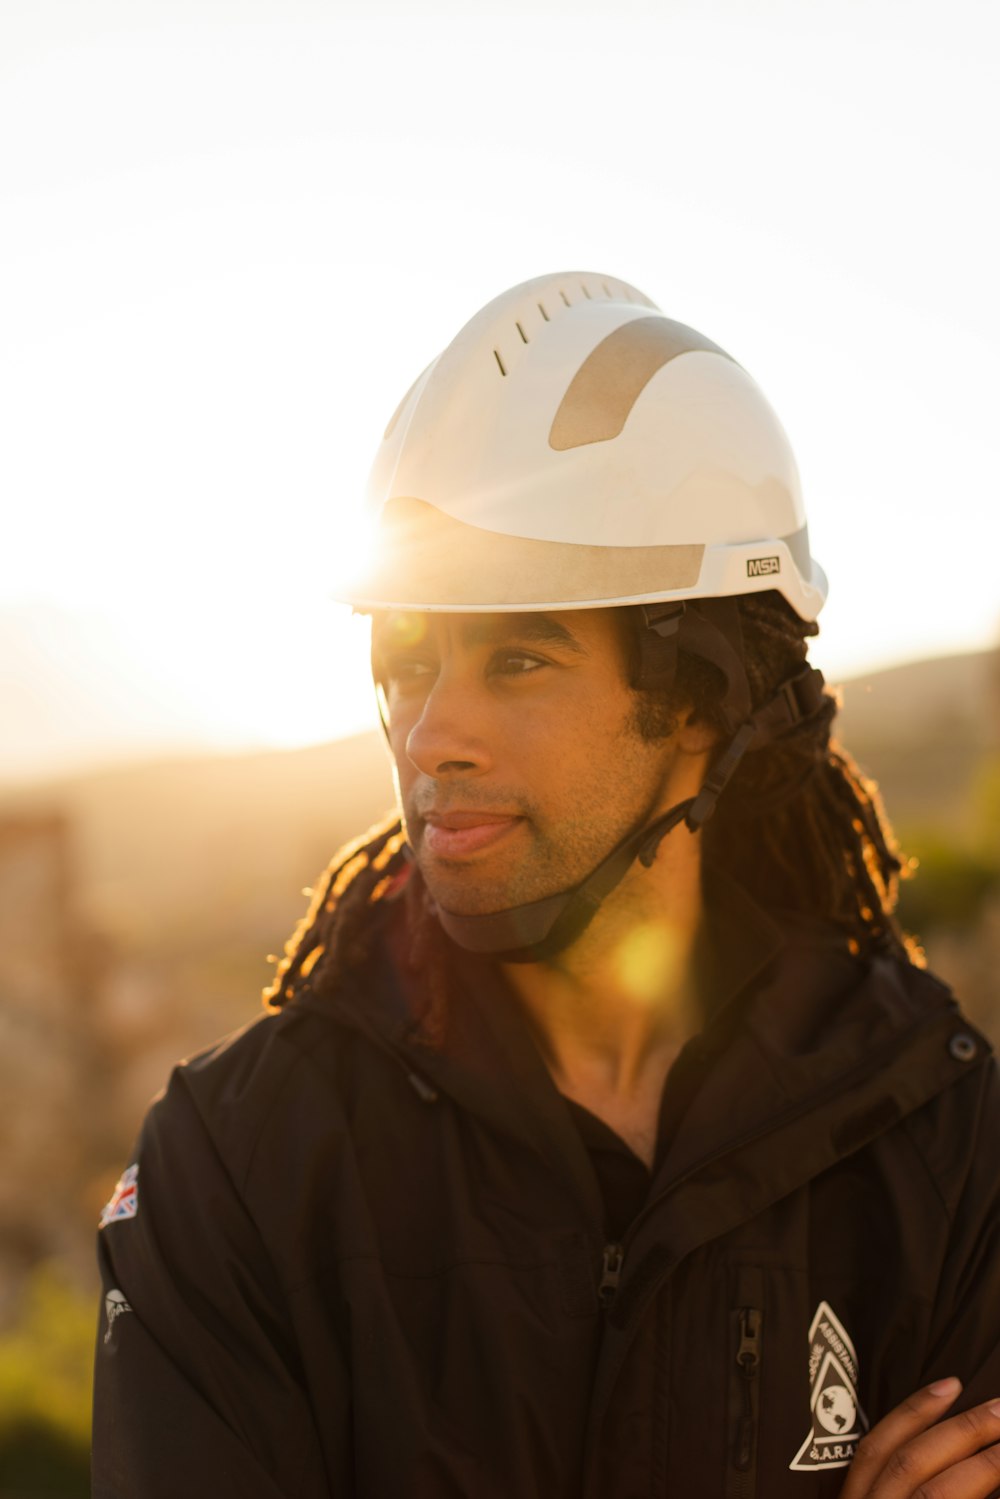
(747, 1322)
(748, 1363)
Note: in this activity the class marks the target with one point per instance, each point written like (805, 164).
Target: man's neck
(612, 1012)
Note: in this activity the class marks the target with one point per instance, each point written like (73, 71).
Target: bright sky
(235, 230)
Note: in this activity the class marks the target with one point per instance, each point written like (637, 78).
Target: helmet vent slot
(496, 356)
(524, 336)
(586, 293)
(604, 287)
(543, 312)
(565, 298)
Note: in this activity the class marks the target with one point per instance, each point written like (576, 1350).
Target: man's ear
(695, 736)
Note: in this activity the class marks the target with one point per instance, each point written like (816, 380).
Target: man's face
(518, 765)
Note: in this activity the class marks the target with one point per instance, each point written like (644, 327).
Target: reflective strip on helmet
(429, 560)
(611, 379)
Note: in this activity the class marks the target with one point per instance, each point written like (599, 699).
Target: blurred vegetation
(949, 885)
(952, 899)
(46, 1360)
(956, 868)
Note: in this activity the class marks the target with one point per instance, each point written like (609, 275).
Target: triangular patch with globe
(838, 1422)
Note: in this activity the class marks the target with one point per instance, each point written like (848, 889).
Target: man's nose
(447, 738)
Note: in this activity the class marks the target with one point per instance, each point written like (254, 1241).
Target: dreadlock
(798, 823)
(360, 873)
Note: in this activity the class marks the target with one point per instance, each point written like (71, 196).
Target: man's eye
(402, 669)
(515, 663)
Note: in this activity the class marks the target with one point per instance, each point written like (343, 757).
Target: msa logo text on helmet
(760, 567)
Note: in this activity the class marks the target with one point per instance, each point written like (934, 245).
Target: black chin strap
(541, 928)
(536, 931)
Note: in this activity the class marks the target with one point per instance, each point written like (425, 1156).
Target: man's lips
(451, 834)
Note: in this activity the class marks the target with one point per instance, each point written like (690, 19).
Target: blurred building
(50, 1061)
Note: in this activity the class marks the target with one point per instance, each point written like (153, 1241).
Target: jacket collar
(796, 1028)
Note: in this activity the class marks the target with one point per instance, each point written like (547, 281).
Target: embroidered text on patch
(838, 1422)
(124, 1199)
(114, 1305)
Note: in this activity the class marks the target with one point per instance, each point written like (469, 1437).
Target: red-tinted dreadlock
(360, 874)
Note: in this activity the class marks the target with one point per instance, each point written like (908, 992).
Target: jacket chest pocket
(793, 1415)
(735, 1402)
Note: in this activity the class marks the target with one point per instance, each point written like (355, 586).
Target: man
(602, 1138)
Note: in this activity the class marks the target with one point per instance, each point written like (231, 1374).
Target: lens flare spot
(648, 961)
(403, 631)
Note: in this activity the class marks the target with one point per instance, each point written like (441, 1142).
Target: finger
(976, 1477)
(904, 1422)
(924, 1464)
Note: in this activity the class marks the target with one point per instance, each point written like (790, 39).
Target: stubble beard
(545, 859)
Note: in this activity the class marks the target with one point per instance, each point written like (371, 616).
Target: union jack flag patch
(124, 1201)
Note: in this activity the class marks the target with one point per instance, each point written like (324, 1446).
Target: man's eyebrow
(545, 629)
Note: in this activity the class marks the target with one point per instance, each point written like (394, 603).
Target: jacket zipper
(741, 1479)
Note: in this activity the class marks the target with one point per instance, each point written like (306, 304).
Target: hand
(913, 1454)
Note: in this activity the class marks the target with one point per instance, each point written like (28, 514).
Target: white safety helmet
(573, 448)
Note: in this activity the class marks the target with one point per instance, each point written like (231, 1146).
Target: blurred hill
(924, 730)
(167, 848)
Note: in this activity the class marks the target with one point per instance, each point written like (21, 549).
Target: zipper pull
(748, 1353)
(424, 1090)
(748, 1361)
(611, 1270)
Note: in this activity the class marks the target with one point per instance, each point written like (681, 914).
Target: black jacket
(351, 1263)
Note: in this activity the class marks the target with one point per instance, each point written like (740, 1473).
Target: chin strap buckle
(663, 619)
(795, 700)
(658, 642)
(719, 775)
